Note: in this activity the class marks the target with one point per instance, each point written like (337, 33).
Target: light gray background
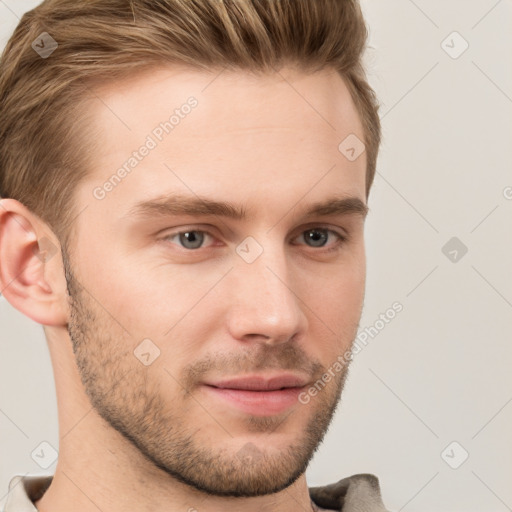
(439, 372)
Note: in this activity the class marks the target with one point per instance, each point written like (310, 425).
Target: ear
(31, 269)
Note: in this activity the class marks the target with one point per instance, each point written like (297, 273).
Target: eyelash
(342, 239)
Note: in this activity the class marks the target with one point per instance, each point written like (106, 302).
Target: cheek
(340, 306)
(335, 310)
(147, 299)
(339, 292)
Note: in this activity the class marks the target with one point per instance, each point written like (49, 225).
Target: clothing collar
(352, 494)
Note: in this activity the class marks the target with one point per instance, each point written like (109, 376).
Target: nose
(264, 305)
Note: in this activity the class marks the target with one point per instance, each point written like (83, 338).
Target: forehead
(230, 100)
(225, 134)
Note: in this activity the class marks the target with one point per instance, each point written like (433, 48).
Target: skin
(154, 437)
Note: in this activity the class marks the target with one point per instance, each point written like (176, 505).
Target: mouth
(258, 395)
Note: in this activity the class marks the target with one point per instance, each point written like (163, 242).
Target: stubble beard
(119, 390)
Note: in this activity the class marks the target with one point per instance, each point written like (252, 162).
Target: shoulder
(351, 494)
(24, 490)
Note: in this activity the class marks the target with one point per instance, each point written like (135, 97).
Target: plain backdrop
(427, 407)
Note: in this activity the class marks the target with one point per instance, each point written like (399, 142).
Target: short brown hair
(45, 143)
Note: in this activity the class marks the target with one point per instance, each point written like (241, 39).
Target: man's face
(231, 310)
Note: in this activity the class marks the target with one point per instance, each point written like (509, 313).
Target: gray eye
(191, 239)
(316, 237)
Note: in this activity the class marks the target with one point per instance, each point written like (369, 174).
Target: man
(184, 191)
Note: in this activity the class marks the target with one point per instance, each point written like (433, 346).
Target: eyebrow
(178, 204)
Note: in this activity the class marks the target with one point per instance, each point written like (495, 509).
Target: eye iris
(191, 239)
(317, 237)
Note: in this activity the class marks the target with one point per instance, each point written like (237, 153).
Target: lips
(256, 394)
(259, 383)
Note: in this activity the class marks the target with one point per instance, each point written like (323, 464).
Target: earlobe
(31, 270)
